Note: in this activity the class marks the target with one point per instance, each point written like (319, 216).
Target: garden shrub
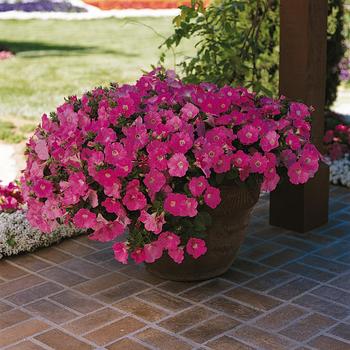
(238, 43)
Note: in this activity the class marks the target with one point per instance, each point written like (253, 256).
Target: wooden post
(302, 77)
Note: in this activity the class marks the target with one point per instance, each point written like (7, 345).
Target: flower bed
(16, 234)
(150, 158)
(137, 4)
(40, 6)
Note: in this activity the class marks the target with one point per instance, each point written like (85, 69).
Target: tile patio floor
(286, 291)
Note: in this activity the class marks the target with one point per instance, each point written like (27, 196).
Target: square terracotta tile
(261, 339)
(307, 327)
(71, 247)
(228, 343)
(121, 291)
(207, 290)
(26, 345)
(186, 319)
(210, 329)
(4, 307)
(100, 256)
(253, 268)
(30, 262)
(323, 306)
(253, 299)
(164, 300)
(293, 288)
(84, 268)
(31, 294)
(9, 271)
(99, 284)
(140, 309)
(22, 283)
(280, 317)
(232, 308)
(333, 294)
(92, 321)
(21, 331)
(50, 311)
(12, 317)
(76, 302)
(162, 340)
(309, 272)
(52, 255)
(139, 272)
(59, 340)
(324, 342)
(342, 282)
(67, 278)
(282, 257)
(177, 287)
(126, 344)
(342, 330)
(270, 280)
(114, 331)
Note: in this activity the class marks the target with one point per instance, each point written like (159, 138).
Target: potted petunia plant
(168, 171)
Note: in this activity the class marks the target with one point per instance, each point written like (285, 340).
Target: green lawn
(56, 58)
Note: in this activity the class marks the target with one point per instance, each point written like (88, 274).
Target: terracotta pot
(224, 238)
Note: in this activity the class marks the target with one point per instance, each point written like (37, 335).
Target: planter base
(223, 239)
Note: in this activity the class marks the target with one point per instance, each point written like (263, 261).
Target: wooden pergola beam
(303, 44)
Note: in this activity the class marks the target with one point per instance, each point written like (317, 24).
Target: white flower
(340, 171)
(17, 236)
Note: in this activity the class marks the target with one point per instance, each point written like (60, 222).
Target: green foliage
(237, 42)
(335, 48)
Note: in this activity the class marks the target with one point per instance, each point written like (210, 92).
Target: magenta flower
(120, 252)
(84, 218)
(196, 247)
(293, 141)
(197, 185)
(297, 174)
(152, 222)
(134, 200)
(180, 205)
(258, 163)
(138, 255)
(153, 251)
(269, 141)
(43, 188)
(180, 142)
(177, 254)
(248, 135)
(154, 180)
(169, 240)
(212, 197)
(178, 165)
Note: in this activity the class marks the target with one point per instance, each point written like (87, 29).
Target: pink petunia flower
(212, 197)
(269, 141)
(248, 135)
(297, 174)
(43, 188)
(120, 252)
(152, 222)
(153, 251)
(258, 163)
(134, 200)
(178, 165)
(178, 204)
(169, 240)
(177, 254)
(84, 218)
(197, 185)
(196, 247)
(154, 180)
(138, 255)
